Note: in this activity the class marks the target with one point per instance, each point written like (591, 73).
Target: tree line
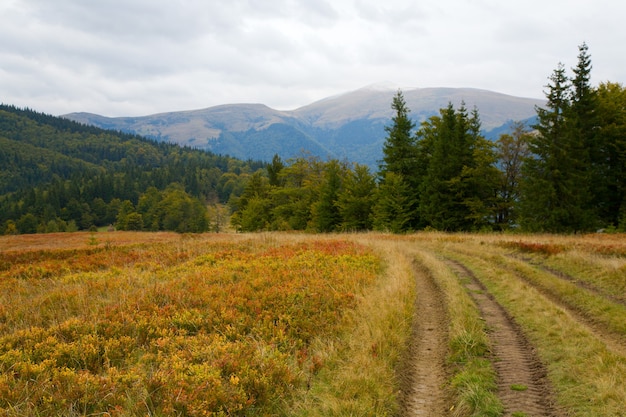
(565, 174)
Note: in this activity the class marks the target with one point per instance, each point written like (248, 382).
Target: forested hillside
(59, 175)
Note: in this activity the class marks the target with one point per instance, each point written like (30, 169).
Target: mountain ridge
(345, 126)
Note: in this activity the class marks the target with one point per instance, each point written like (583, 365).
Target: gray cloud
(135, 57)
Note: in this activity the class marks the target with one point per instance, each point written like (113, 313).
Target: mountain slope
(349, 126)
(54, 172)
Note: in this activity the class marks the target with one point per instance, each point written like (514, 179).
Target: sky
(141, 57)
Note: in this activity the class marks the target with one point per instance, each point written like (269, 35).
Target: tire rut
(424, 394)
(522, 383)
(569, 278)
(613, 341)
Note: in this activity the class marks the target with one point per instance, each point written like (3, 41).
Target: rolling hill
(348, 126)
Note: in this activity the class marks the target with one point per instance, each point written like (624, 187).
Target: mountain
(347, 126)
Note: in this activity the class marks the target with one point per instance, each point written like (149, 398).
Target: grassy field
(161, 324)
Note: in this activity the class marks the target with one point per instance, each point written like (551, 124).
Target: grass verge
(361, 376)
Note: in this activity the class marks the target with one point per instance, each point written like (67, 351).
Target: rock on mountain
(348, 126)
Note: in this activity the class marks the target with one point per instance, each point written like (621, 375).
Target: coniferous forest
(58, 175)
(566, 174)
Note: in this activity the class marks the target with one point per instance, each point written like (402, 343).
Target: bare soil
(424, 389)
(522, 384)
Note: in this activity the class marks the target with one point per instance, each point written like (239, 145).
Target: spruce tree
(400, 158)
(543, 182)
(611, 138)
(399, 147)
(556, 195)
(391, 212)
(582, 125)
(356, 199)
(437, 205)
(458, 190)
(325, 215)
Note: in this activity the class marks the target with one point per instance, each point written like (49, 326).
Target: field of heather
(162, 324)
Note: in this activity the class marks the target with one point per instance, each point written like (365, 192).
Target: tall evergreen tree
(543, 182)
(399, 146)
(555, 189)
(611, 138)
(581, 119)
(325, 215)
(392, 212)
(400, 157)
(458, 190)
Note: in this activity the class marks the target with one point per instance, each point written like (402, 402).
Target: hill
(348, 126)
(54, 171)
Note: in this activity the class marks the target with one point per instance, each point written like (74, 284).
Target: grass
(473, 379)
(596, 307)
(588, 377)
(604, 272)
(363, 374)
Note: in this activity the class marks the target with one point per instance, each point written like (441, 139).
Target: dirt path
(424, 394)
(566, 277)
(613, 341)
(522, 384)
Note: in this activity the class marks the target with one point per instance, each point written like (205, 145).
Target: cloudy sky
(139, 57)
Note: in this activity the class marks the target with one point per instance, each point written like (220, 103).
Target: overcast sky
(139, 57)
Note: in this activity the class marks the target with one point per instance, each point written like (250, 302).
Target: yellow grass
(129, 323)
(587, 368)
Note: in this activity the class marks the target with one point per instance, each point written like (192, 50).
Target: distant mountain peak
(347, 126)
(382, 86)
(387, 86)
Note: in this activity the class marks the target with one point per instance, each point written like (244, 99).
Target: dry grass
(165, 324)
(472, 378)
(589, 378)
(362, 377)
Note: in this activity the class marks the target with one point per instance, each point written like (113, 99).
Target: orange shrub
(193, 328)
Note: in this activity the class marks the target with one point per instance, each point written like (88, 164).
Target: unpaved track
(424, 394)
(522, 382)
(566, 277)
(613, 341)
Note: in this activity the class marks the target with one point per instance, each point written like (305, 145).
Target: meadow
(165, 324)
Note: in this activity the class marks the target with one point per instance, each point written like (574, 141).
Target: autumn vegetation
(127, 323)
(179, 325)
(147, 310)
